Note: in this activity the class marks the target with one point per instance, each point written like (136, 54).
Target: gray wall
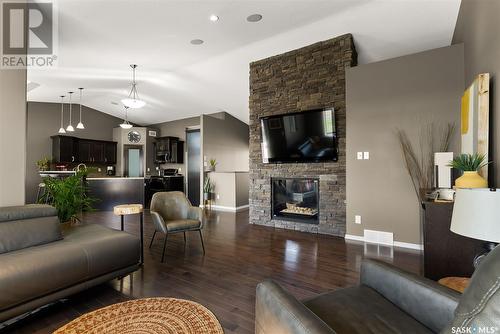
(225, 138)
(12, 136)
(43, 121)
(174, 129)
(397, 93)
(478, 27)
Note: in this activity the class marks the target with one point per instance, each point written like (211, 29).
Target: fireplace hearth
(295, 199)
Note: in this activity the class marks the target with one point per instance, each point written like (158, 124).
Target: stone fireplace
(312, 77)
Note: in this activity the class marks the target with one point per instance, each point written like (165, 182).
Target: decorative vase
(207, 197)
(211, 168)
(471, 180)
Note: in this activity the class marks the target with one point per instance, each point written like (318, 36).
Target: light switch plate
(360, 155)
(366, 155)
(357, 219)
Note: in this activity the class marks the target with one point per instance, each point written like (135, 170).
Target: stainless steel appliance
(110, 171)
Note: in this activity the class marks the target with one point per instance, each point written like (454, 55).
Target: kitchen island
(114, 190)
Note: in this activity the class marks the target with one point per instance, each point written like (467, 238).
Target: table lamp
(476, 214)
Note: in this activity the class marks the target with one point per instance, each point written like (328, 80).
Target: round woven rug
(148, 316)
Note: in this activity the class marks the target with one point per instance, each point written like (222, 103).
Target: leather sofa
(40, 263)
(387, 300)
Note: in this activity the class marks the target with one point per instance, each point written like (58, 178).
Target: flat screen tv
(308, 136)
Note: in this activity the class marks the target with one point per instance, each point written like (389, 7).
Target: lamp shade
(476, 214)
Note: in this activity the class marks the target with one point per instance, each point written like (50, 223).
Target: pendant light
(70, 127)
(80, 124)
(126, 124)
(61, 129)
(133, 100)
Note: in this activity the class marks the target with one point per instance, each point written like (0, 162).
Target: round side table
(132, 209)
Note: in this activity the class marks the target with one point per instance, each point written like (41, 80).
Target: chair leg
(184, 238)
(164, 247)
(152, 239)
(202, 243)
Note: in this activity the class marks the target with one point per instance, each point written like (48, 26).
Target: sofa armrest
(158, 222)
(278, 312)
(427, 301)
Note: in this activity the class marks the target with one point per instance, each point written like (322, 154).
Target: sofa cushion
(28, 232)
(33, 272)
(362, 310)
(20, 212)
(106, 249)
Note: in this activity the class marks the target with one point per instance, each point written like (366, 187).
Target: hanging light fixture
(133, 100)
(80, 124)
(126, 124)
(70, 127)
(61, 129)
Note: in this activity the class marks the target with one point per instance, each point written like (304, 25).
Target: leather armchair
(388, 300)
(173, 213)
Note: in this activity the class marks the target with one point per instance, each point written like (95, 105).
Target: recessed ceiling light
(197, 41)
(254, 18)
(214, 18)
(114, 103)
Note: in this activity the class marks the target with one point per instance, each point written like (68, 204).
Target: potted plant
(68, 195)
(207, 189)
(43, 164)
(470, 165)
(212, 163)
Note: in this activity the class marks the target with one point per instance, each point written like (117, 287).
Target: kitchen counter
(111, 191)
(114, 178)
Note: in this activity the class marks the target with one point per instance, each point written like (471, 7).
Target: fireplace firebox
(295, 199)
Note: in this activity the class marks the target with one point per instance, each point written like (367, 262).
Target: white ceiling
(98, 39)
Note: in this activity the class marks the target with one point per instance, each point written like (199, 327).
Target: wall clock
(134, 137)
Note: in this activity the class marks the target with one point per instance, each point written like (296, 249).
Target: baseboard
(394, 244)
(229, 208)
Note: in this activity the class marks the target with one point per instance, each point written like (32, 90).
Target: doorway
(193, 143)
(133, 161)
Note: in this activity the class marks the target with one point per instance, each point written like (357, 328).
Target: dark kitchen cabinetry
(168, 150)
(68, 149)
(162, 183)
(446, 253)
(64, 149)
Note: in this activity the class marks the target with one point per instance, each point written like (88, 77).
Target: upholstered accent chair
(173, 213)
(387, 300)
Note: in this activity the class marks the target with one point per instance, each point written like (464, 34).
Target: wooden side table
(456, 283)
(132, 209)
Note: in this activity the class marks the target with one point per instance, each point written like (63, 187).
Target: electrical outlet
(99, 170)
(218, 196)
(360, 155)
(357, 219)
(149, 169)
(366, 155)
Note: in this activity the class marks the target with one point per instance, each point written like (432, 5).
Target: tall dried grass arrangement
(420, 164)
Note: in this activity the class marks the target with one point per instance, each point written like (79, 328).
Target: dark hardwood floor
(238, 256)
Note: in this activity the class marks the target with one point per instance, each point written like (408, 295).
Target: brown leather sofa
(387, 300)
(40, 263)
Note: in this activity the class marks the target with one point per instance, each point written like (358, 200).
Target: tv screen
(308, 136)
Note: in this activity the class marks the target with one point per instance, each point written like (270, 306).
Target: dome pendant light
(80, 124)
(61, 129)
(70, 127)
(133, 100)
(126, 124)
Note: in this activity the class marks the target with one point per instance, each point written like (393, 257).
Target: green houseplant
(212, 164)
(470, 165)
(207, 189)
(68, 195)
(43, 164)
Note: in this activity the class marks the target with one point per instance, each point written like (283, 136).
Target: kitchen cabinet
(64, 149)
(169, 150)
(68, 149)
(110, 153)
